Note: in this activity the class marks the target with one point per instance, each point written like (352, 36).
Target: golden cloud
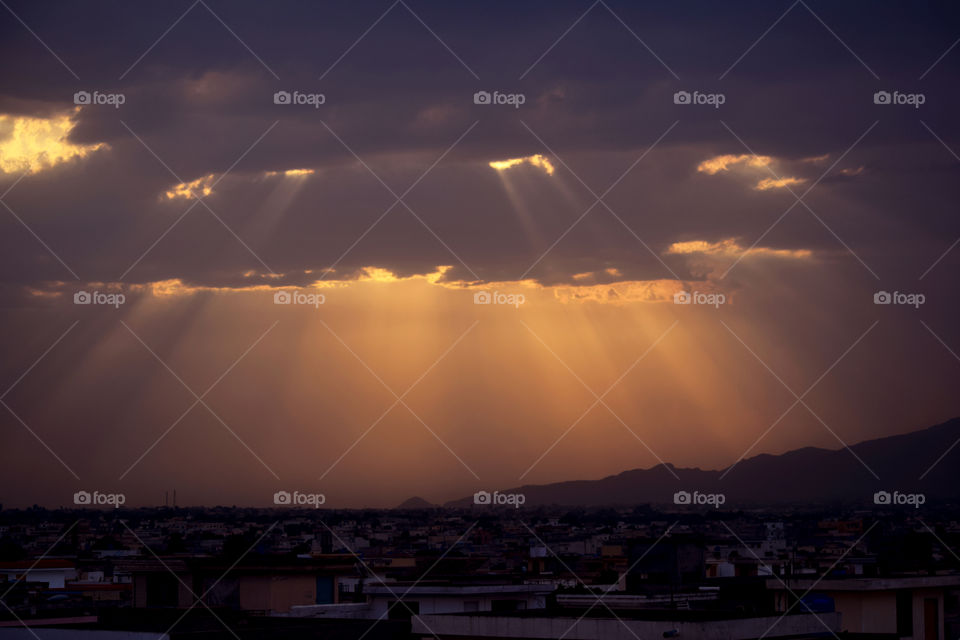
(777, 183)
(715, 165)
(290, 173)
(536, 160)
(203, 184)
(33, 144)
(618, 293)
(730, 248)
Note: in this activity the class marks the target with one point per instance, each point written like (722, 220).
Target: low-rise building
(907, 607)
(600, 624)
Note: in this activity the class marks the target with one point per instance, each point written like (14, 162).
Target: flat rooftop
(454, 590)
(856, 583)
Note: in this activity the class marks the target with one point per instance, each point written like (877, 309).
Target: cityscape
(649, 571)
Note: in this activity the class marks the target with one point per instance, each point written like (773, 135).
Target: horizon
(170, 498)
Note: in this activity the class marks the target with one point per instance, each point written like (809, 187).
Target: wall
(919, 595)
(867, 611)
(56, 578)
(455, 603)
(277, 593)
(612, 629)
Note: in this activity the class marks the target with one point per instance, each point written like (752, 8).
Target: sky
(379, 250)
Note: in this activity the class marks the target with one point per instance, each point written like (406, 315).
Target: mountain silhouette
(906, 463)
(415, 502)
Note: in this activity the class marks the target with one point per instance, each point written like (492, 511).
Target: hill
(803, 476)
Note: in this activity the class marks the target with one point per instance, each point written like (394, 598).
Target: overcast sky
(781, 163)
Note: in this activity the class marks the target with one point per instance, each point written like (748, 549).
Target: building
(267, 584)
(600, 624)
(54, 572)
(384, 601)
(907, 607)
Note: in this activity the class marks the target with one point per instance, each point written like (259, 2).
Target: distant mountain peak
(416, 502)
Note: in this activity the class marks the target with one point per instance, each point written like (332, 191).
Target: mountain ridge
(904, 462)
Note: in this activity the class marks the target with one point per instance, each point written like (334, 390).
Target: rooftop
(855, 583)
(439, 590)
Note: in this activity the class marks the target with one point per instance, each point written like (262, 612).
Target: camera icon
(481, 497)
(482, 297)
(82, 97)
(282, 497)
(882, 297)
(82, 297)
(82, 497)
(482, 97)
(682, 497)
(281, 97)
(282, 297)
(881, 97)
(881, 497)
(682, 97)
(682, 297)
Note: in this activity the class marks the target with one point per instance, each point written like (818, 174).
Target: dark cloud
(199, 99)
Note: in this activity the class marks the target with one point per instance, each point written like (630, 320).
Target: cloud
(204, 110)
(716, 164)
(619, 293)
(290, 173)
(777, 183)
(752, 164)
(202, 185)
(29, 144)
(730, 248)
(537, 160)
(816, 159)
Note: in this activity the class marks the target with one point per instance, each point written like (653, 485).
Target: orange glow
(777, 183)
(715, 165)
(537, 160)
(518, 376)
(203, 184)
(586, 289)
(291, 173)
(35, 144)
(731, 248)
(618, 293)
